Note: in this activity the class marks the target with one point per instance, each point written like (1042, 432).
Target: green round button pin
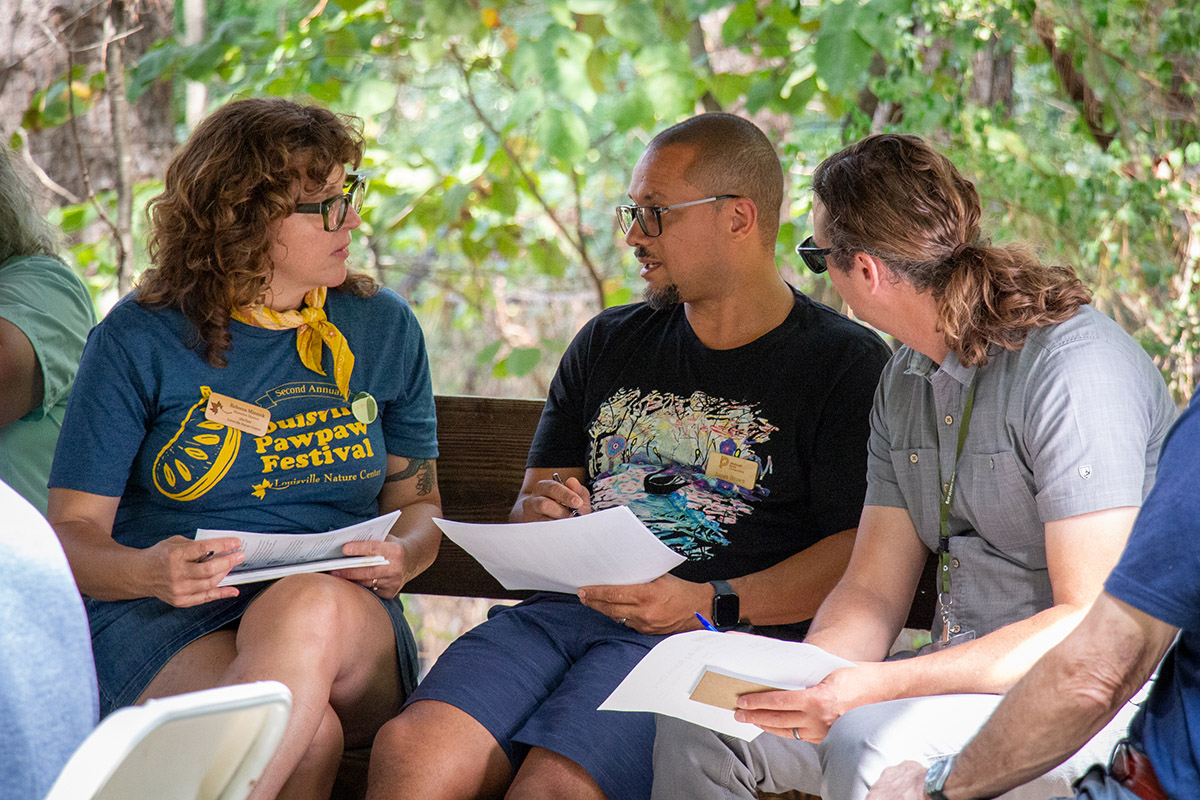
(364, 407)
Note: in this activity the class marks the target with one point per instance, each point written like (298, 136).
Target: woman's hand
(184, 572)
(385, 580)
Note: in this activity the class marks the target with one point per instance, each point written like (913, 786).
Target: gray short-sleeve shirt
(1070, 423)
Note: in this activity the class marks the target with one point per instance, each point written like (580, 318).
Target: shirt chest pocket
(916, 471)
(997, 498)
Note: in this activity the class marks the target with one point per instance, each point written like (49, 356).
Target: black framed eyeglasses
(333, 210)
(649, 218)
(814, 257)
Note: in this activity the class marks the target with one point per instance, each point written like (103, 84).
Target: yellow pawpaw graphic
(198, 455)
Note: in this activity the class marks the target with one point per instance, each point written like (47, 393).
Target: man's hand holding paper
(666, 679)
(805, 713)
(665, 605)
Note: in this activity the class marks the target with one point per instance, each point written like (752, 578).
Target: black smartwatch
(935, 778)
(726, 610)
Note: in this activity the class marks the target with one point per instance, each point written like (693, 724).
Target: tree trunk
(194, 21)
(114, 27)
(34, 35)
(992, 84)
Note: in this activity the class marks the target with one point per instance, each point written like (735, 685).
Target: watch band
(935, 777)
(726, 606)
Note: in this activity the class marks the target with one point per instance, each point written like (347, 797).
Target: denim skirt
(133, 639)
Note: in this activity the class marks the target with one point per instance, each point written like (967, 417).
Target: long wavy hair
(894, 197)
(211, 228)
(23, 231)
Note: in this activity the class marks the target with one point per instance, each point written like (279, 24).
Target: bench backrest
(483, 442)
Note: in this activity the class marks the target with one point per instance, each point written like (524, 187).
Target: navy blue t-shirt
(645, 408)
(135, 426)
(1159, 573)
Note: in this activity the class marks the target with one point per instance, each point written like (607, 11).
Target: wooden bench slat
(483, 442)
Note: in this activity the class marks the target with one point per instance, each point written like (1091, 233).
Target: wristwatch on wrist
(726, 608)
(935, 778)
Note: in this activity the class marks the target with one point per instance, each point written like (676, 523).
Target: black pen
(558, 479)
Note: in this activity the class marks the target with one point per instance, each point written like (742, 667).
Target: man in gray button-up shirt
(1064, 416)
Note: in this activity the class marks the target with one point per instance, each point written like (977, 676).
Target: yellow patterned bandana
(315, 330)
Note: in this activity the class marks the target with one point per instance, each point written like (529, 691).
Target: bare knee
(546, 775)
(434, 750)
(310, 607)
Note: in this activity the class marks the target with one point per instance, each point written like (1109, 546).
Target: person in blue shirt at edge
(1150, 606)
(729, 412)
(230, 391)
(48, 701)
(45, 315)
(1015, 433)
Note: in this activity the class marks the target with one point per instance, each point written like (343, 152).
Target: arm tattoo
(423, 468)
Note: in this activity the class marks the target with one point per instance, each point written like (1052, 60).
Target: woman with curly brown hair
(252, 383)
(1015, 434)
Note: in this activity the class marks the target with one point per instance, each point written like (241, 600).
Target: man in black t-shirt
(729, 412)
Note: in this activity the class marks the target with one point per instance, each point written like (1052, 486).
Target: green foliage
(502, 133)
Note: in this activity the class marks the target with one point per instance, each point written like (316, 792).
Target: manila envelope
(722, 691)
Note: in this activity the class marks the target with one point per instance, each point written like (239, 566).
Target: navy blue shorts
(133, 639)
(533, 675)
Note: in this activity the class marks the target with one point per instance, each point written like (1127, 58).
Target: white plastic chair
(208, 745)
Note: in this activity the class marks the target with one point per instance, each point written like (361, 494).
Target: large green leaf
(522, 360)
(842, 56)
(563, 134)
(153, 64)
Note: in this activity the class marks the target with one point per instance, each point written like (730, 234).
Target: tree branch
(1073, 81)
(577, 245)
(698, 51)
(73, 125)
(597, 280)
(118, 104)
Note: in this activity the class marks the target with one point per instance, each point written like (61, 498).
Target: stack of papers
(275, 555)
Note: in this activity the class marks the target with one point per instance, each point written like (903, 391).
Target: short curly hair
(210, 229)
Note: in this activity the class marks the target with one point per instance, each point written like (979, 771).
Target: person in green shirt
(45, 315)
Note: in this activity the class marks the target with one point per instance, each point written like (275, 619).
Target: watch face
(935, 778)
(726, 610)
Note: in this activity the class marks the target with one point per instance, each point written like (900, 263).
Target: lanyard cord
(947, 498)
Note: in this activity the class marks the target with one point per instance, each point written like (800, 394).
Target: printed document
(274, 555)
(609, 547)
(667, 677)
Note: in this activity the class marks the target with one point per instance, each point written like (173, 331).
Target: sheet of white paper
(665, 677)
(605, 547)
(290, 553)
(271, 573)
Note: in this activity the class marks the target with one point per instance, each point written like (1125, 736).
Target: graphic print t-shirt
(136, 426)
(649, 411)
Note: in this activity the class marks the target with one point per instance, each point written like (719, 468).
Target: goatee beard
(659, 299)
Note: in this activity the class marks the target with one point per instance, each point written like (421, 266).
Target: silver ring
(374, 584)
(621, 621)
(796, 734)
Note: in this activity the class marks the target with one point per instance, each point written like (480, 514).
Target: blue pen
(708, 625)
